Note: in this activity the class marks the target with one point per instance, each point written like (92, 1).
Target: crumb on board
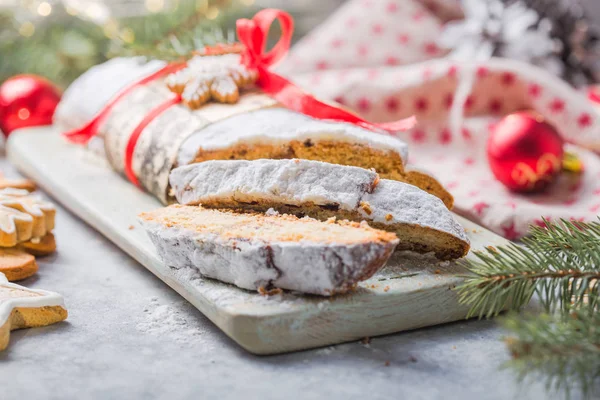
(272, 292)
(492, 249)
(388, 217)
(373, 286)
(386, 289)
(387, 363)
(437, 272)
(131, 227)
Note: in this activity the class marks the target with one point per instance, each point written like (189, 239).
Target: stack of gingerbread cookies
(26, 224)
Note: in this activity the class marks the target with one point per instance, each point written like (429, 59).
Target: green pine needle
(562, 351)
(559, 263)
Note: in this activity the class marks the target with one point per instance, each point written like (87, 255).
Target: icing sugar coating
(411, 205)
(299, 182)
(218, 77)
(9, 218)
(230, 251)
(31, 203)
(279, 125)
(12, 296)
(42, 212)
(291, 181)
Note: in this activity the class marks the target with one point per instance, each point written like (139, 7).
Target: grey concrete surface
(111, 347)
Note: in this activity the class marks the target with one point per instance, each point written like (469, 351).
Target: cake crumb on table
(131, 227)
(387, 288)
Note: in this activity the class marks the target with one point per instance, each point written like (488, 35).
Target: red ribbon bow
(252, 33)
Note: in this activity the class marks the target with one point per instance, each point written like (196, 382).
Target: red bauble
(26, 100)
(525, 153)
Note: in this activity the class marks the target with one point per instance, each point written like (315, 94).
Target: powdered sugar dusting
(170, 321)
(278, 125)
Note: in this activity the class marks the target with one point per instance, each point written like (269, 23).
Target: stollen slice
(278, 133)
(265, 251)
(322, 190)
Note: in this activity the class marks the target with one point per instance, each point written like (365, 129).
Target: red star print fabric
(381, 58)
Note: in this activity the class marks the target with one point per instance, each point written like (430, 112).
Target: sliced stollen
(270, 250)
(322, 190)
(278, 133)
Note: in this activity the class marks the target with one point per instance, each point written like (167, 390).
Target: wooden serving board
(411, 292)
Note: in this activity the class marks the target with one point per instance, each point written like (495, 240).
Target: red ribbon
(253, 34)
(85, 133)
(155, 112)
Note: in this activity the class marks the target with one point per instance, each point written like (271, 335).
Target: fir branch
(177, 34)
(562, 350)
(561, 264)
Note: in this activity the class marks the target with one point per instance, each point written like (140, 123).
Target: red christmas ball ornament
(26, 100)
(524, 152)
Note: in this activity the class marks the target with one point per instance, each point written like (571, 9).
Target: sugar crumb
(272, 292)
(366, 207)
(271, 212)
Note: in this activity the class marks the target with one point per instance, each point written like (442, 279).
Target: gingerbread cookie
(24, 184)
(15, 226)
(216, 77)
(16, 264)
(40, 246)
(27, 308)
(42, 212)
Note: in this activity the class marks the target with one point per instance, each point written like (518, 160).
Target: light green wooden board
(384, 304)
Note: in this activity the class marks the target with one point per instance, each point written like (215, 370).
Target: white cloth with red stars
(380, 58)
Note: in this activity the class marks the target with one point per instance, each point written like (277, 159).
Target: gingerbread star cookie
(216, 77)
(15, 226)
(40, 246)
(17, 264)
(42, 212)
(27, 308)
(24, 184)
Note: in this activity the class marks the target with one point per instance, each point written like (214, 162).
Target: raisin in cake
(323, 190)
(278, 133)
(256, 251)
